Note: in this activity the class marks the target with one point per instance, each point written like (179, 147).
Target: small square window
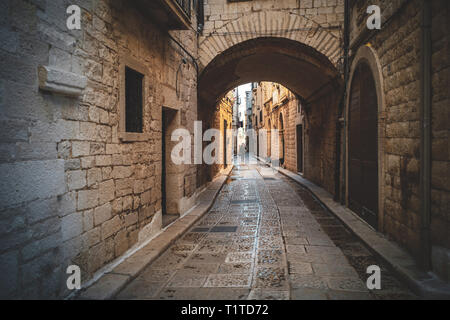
(133, 100)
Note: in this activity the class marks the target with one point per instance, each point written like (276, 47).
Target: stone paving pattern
(264, 238)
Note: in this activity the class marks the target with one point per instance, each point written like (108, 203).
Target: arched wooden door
(363, 146)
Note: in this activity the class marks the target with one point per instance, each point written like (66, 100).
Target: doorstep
(425, 285)
(112, 282)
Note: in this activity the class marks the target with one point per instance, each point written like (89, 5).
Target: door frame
(174, 174)
(368, 55)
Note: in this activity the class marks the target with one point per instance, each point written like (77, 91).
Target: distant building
(275, 107)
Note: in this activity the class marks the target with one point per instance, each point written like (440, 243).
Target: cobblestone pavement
(265, 238)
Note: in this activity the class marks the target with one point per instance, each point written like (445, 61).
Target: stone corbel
(61, 82)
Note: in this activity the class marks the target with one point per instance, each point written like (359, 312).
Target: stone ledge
(61, 82)
(425, 285)
(110, 284)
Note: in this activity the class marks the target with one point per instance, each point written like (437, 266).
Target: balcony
(170, 14)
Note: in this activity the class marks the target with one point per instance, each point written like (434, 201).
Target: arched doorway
(363, 187)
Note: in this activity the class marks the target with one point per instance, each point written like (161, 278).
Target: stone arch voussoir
(273, 23)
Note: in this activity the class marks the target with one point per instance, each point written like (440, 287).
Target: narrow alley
(126, 129)
(265, 238)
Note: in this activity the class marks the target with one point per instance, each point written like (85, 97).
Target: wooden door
(363, 146)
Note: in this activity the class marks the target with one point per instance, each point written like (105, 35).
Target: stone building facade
(277, 108)
(80, 184)
(76, 187)
(395, 56)
(219, 118)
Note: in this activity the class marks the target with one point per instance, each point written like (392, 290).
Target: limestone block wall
(72, 191)
(397, 46)
(440, 184)
(321, 115)
(314, 22)
(223, 112)
(295, 118)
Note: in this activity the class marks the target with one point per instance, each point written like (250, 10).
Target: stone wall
(213, 118)
(397, 46)
(288, 108)
(73, 192)
(313, 22)
(295, 118)
(440, 183)
(223, 112)
(321, 115)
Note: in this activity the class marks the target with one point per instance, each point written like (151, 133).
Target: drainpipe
(425, 138)
(340, 182)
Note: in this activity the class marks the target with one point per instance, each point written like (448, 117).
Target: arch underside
(275, 24)
(297, 66)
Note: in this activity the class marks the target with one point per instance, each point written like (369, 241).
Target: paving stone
(106, 287)
(347, 284)
(184, 294)
(235, 268)
(228, 280)
(217, 257)
(270, 257)
(186, 280)
(152, 275)
(262, 294)
(300, 268)
(269, 277)
(169, 260)
(334, 269)
(198, 269)
(140, 290)
(308, 281)
(228, 294)
(261, 251)
(304, 293)
(239, 257)
(348, 295)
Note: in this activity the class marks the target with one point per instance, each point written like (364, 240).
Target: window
(133, 103)
(133, 100)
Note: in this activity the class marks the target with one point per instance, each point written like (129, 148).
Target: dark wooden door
(163, 164)
(300, 148)
(363, 146)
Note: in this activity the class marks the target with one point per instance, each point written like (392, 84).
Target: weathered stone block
(102, 214)
(76, 179)
(71, 226)
(80, 148)
(106, 191)
(110, 227)
(29, 180)
(87, 199)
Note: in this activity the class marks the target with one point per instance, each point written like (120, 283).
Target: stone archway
(297, 66)
(302, 69)
(275, 24)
